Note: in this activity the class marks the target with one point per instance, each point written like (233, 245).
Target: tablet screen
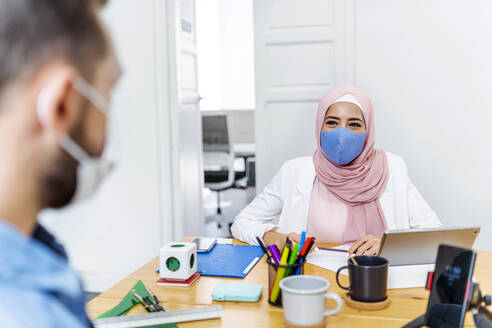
(452, 278)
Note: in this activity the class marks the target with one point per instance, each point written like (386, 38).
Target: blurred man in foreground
(57, 68)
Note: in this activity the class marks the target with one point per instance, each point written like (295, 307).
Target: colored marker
(307, 245)
(313, 240)
(303, 239)
(280, 275)
(304, 243)
(288, 244)
(292, 259)
(275, 253)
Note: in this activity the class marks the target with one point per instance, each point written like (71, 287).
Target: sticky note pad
(237, 292)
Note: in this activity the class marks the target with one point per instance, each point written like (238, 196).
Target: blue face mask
(341, 145)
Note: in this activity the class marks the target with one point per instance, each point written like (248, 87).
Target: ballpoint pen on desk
(351, 257)
(280, 272)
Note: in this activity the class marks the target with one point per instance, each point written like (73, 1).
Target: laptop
(419, 246)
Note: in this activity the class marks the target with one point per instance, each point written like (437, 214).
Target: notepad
(404, 276)
(234, 261)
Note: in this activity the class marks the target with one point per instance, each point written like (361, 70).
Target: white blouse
(284, 203)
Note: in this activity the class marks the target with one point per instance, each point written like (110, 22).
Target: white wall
(225, 54)
(125, 224)
(236, 30)
(426, 66)
(209, 54)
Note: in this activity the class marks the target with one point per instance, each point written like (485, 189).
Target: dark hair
(34, 32)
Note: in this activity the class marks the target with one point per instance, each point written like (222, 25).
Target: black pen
(263, 247)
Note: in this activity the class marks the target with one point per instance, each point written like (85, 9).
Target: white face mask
(91, 170)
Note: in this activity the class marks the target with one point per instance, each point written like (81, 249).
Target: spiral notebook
(225, 260)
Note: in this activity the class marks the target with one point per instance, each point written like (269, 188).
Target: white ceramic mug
(303, 299)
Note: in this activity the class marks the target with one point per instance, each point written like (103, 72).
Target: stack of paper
(403, 276)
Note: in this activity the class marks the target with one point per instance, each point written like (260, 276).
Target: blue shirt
(38, 288)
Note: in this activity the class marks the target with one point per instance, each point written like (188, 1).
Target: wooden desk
(406, 304)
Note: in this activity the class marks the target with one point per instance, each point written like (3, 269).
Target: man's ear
(54, 106)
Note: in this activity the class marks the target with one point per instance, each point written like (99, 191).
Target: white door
(186, 128)
(302, 49)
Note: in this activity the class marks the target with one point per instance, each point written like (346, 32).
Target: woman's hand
(369, 245)
(277, 238)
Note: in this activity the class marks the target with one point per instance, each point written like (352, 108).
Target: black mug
(368, 279)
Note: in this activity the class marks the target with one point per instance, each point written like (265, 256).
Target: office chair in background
(218, 163)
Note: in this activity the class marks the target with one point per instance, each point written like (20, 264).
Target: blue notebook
(225, 260)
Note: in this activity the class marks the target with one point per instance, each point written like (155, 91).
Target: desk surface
(406, 304)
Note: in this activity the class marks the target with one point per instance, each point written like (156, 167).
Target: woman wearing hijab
(347, 192)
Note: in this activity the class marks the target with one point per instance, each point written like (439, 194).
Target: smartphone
(204, 245)
(450, 287)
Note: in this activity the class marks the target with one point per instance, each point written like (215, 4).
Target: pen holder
(273, 285)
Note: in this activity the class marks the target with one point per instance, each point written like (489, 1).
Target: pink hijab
(360, 183)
